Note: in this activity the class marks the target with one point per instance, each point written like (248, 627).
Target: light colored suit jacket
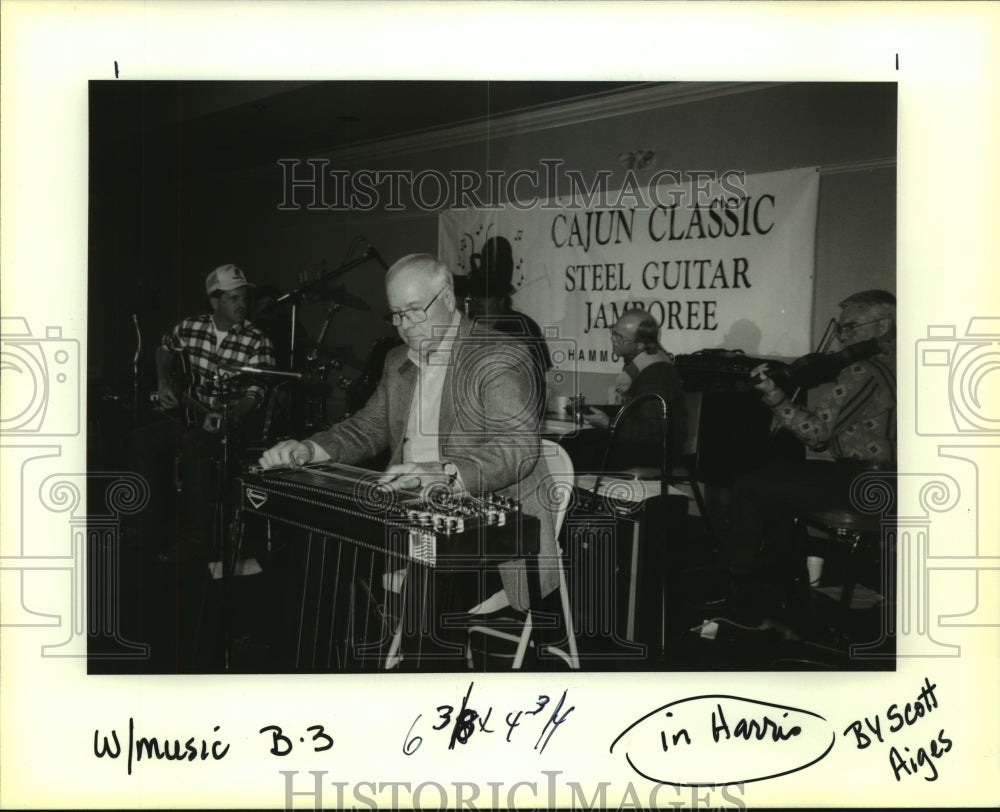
(488, 428)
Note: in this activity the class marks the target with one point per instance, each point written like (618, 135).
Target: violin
(816, 368)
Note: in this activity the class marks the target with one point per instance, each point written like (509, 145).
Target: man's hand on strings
(414, 475)
(287, 454)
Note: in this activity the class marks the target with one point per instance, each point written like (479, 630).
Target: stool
(848, 534)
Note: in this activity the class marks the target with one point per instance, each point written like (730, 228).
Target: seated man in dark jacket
(649, 369)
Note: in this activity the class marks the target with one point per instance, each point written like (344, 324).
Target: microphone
(374, 254)
(231, 369)
(312, 287)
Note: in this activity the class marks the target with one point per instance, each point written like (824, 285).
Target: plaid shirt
(243, 345)
(856, 415)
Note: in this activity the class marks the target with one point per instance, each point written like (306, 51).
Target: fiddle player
(854, 419)
(441, 416)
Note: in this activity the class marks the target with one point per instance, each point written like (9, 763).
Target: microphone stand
(664, 478)
(314, 285)
(219, 389)
(135, 370)
(314, 355)
(331, 311)
(291, 336)
(226, 517)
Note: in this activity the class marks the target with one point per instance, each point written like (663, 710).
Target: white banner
(725, 262)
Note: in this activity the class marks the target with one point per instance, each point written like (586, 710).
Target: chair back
(663, 419)
(692, 408)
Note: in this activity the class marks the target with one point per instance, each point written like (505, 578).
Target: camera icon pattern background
(44, 573)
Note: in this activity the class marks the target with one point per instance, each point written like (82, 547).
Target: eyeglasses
(616, 336)
(414, 315)
(852, 326)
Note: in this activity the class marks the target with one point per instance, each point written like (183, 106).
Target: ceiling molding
(611, 104)
(858, 166)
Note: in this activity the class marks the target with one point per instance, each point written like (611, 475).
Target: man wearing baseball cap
(200, 346)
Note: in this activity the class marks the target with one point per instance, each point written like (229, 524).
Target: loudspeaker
(619, 559)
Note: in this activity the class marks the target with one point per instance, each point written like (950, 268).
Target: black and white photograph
(662, 429)
(448, 405)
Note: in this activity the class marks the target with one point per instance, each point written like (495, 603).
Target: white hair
(435, 272)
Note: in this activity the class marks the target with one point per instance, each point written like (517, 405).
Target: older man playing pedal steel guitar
(452, 407)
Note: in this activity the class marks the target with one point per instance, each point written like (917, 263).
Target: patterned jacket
(855, 416)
